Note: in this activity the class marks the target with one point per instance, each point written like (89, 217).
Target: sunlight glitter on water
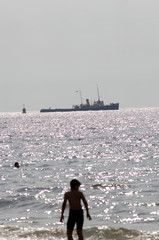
(114, 154)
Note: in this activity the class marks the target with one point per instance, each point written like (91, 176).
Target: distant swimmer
(74, 198)
(16, 164)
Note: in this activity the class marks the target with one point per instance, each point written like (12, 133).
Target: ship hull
(113, 106)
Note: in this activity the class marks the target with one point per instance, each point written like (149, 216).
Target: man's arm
(86, 206)
(63, 208)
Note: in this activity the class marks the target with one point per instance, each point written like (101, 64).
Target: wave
(4, 202)
(95, 233)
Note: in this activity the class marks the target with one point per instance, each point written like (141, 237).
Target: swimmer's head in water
(16, 164)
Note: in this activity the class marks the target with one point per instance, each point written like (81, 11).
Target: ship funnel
(87, 102)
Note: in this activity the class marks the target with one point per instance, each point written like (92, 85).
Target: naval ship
(96, 106)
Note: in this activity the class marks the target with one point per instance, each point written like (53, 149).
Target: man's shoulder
(67, 193)
(81, 193)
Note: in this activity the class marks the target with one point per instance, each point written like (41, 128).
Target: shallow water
(113, 153)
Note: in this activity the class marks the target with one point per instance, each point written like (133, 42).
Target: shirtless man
(74, 198)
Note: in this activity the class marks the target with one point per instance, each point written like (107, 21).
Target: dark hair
(74, 182)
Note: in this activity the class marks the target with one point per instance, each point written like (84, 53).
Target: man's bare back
(74, 198)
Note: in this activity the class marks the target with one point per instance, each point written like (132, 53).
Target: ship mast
(79, 91)
(98, 94)
(80, 96)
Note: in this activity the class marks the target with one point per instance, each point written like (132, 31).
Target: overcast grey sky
(49, 49)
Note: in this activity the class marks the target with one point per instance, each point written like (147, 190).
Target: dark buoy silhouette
(24, 109)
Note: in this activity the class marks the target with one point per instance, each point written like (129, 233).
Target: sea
(115, 156)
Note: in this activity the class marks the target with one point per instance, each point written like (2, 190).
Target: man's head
(74, 184)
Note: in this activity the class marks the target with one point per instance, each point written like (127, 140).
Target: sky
(50, 49)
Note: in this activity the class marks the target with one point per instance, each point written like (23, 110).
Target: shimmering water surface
(115, 155)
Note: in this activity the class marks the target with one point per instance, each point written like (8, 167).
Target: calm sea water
(115, 155)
